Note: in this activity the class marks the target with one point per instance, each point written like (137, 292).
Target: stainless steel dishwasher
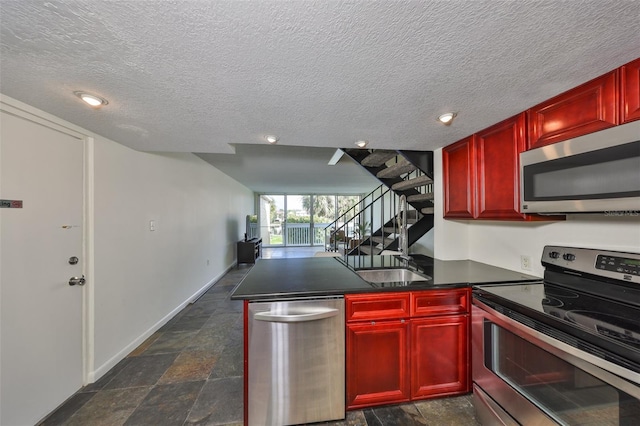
(296, 361)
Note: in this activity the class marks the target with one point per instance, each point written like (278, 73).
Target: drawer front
(377, 306)
(440, 302)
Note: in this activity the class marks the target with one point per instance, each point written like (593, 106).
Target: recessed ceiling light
(447, 118)
(271, 139)
(362, 144)
(93, 100)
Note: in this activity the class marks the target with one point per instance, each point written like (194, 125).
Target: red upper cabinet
(588, 108)
(498, 151)
(459, 170)
(481, 174)
(630, 91)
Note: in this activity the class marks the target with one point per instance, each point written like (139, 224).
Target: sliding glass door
(324, 212)
(299, 220)
(272, 219)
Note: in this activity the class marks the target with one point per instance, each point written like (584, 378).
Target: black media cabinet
(249, 250)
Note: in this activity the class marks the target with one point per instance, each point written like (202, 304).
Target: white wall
(501, 243)
(143, 277)
(448, 240)
(138, 279)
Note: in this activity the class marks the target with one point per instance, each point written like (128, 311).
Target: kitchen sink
(391, 275)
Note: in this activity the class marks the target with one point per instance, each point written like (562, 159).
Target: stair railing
(349, 221)
(379, 216)
(379, 210)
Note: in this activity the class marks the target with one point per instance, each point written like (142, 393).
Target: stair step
(420, 197)
(412, 183)
(411, 214)
(427, 210)
(382, 240)
(378, 157)
(410, 220)
(369, 249)
(390, 229)
(397, 170)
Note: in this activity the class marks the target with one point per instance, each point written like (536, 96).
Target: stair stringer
(423, 160)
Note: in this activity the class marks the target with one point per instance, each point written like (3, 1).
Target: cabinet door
(439, 356)
(587, 108)
(498, 167)
(630, 91)
(459, 175)
(377, 363)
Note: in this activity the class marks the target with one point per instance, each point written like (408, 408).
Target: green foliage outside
(275, 239)
(307, 219)
(323, 206)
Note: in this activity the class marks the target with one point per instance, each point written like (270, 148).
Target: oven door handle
(604, 370)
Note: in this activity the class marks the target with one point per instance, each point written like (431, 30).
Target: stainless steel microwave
(599, 172)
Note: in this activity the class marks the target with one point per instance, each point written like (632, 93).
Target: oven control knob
(569, 257)
(554, 255)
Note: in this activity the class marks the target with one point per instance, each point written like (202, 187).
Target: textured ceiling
(199, 76)
(306, 170)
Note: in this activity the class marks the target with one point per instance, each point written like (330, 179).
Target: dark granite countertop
(321, 276)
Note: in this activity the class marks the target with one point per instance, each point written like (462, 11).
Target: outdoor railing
(297, 234)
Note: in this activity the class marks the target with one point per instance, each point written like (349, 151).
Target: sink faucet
(404, 233)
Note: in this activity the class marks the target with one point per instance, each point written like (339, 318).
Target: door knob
(77, 280)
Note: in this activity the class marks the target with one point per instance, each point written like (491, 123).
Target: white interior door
(41, 361)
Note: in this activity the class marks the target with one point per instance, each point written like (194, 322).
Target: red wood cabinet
(377, 363)
(439, 302)
(585, 109)
(630, 92)
(497, 159)
(422, 355)
(377, 306)
(481, 174)
(459, 170)
(439, 356)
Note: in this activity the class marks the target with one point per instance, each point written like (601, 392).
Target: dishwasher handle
(316, 314)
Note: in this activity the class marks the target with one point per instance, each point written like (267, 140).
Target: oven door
(528, 377)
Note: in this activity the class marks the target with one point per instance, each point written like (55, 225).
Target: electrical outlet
(525, 262)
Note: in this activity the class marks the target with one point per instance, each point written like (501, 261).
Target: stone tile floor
(190, 373)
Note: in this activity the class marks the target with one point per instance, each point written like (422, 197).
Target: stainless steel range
(565, 350)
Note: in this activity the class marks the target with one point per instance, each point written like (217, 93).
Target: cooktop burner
(589, 297)
(612, 326)
(607, 319)
(552, 302)
(562, 293)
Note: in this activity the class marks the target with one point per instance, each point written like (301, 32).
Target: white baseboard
(104, 368)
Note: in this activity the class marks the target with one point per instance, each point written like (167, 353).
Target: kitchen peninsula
(310, 277)
(405, 340)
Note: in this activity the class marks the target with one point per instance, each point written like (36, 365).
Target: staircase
(400, 172)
